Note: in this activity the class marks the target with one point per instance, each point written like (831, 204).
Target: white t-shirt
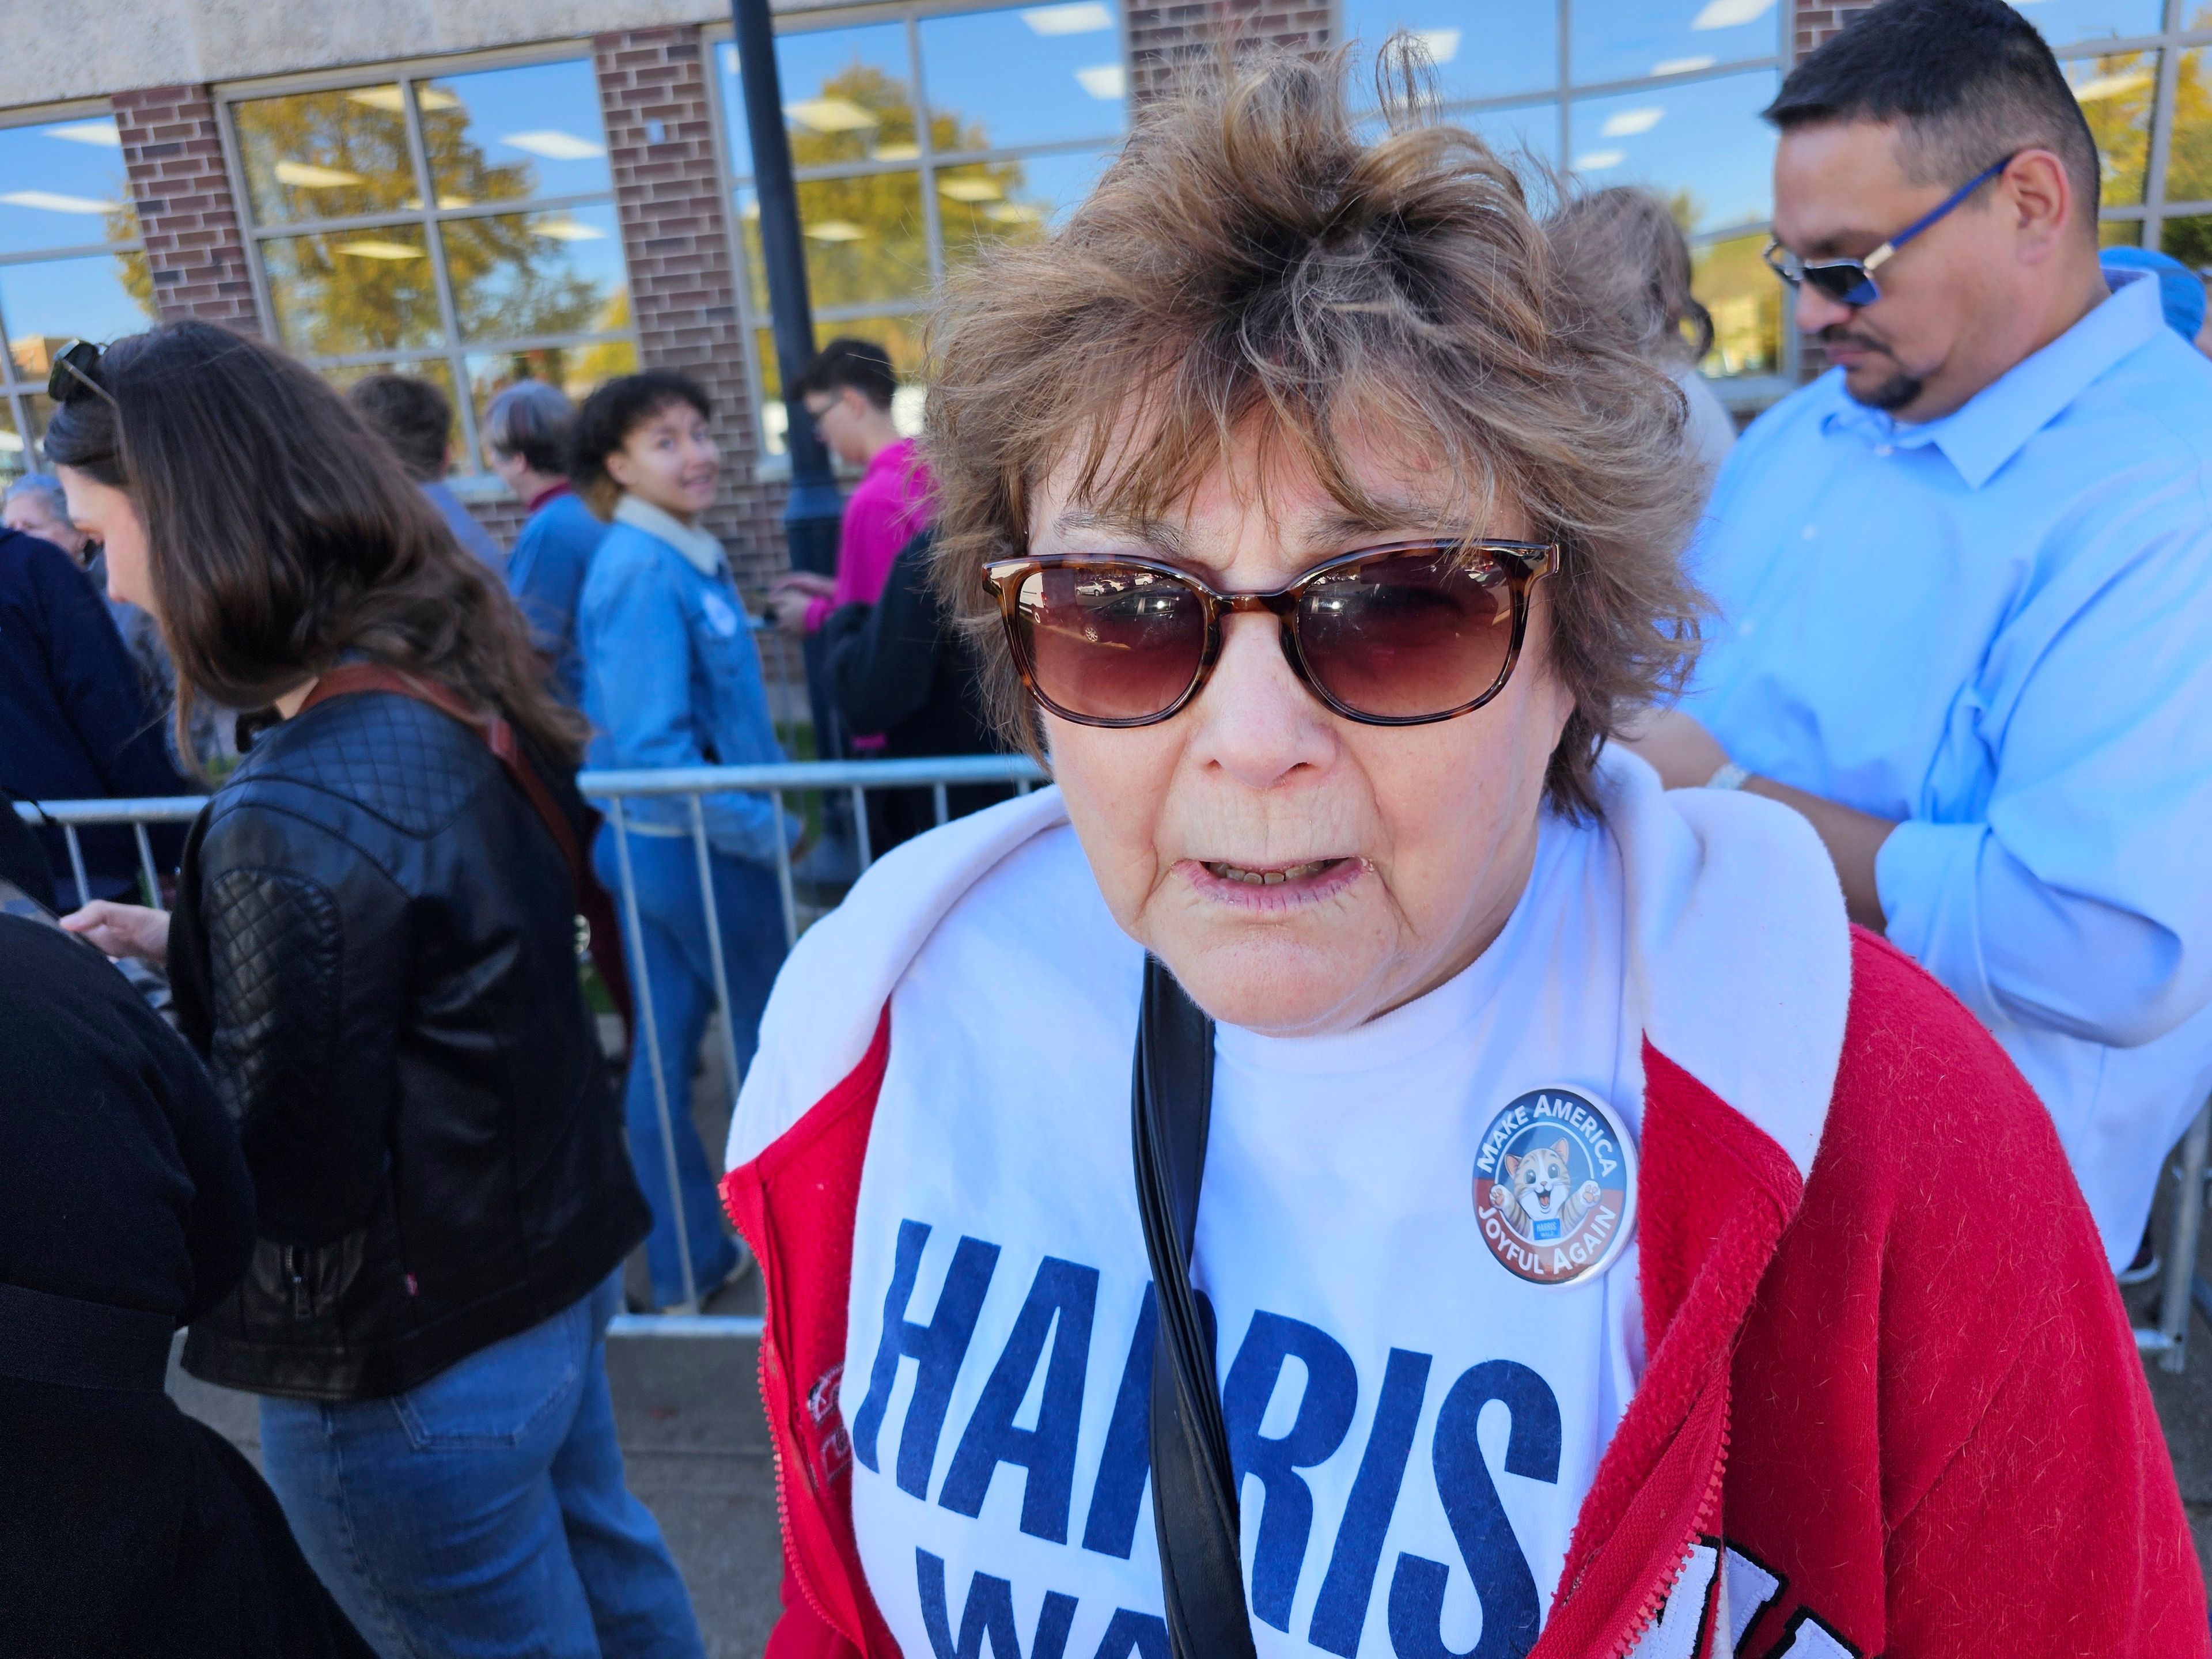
(1415, 1424)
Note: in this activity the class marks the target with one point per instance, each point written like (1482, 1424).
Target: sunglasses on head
(1400, 635)
(71, 372)
(1850, 281)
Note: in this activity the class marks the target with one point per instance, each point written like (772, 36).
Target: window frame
(16, 391)
(471, 480)
(925, 165)
(1750, 393)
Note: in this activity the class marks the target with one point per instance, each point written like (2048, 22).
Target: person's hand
(788, 607)
(806, 582)
(123, 930)
(1684, 753)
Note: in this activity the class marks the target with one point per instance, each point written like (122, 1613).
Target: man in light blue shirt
(1964, 580)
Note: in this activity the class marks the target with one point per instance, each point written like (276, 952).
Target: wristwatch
(1731, 776)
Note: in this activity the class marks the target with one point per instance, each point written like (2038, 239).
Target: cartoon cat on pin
(1535, 1192)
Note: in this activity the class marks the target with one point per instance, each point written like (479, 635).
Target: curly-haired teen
(1253, 1120)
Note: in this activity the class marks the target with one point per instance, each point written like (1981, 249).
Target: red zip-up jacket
(1892, 1406)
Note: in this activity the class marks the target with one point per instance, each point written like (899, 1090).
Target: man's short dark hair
(861, 364)
(617, 409)
(1969, 83)
(410, 415)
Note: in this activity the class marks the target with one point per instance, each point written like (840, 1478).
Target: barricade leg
(2181, 1287)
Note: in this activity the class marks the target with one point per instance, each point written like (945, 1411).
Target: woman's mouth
(1270, 886)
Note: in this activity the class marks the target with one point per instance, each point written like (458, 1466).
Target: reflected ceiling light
(836, 230)
(1104, 80)
(970, 190)
(565, 230)
(829, 114)
(2112, 86)
(1683, 65)
(102, 133)
(1627, 123)
(1598, 160)
(55, 201)
(369, 248)
(387, 98)
(305, 176)
(1727, 14)
(11, 442)
(554, 145)
(1443, 44)
(1084, 17)
(898, 152)
(456, 201)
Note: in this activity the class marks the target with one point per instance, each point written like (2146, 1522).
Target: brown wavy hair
(1250, 266)
(282, 534)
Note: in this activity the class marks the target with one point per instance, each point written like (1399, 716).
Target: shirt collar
(1989, 429)
(891, 455)
(551, 492)
(699, 549)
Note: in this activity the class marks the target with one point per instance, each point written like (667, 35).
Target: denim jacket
(672, 677)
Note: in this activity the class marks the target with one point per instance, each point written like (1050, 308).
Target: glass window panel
(1532, 127)
(2188, 239)
(1700, 143)
(2062, 23)
(1030, 75)
(14, 462)
(353, 290)
(519, 275)
(848, 95)
(64, 186)
(864, 240)
(37, 410)
(756, 269)
(46, 303)
(508, 135)
(578, 370)
(2115, 94)
(1745, 300)
(1622, 40)
(735, 133)
(325, 155)
(1482, 48)
(986, 202)
(2189, 160)
(2119, 233)
(775, 420)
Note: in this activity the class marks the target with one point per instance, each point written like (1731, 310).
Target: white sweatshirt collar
(699, 549)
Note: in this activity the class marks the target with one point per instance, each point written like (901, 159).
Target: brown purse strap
(497, 734)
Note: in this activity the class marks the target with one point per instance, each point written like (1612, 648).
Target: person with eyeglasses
(1356, 1167)
(1965, 578)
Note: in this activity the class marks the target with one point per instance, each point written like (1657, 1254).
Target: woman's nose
(1258, 723)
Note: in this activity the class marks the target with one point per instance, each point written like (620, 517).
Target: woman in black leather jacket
(375, 949)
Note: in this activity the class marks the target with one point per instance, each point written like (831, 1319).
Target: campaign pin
(1555, 1187)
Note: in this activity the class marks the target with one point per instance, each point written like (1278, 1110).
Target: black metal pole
(810, 519)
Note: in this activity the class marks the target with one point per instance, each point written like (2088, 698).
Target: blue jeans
(484, 1511)
(679, 968)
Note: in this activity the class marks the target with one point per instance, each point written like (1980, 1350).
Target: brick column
(1164, 38)
(172, 150)
(672, 203)
(1819, 21)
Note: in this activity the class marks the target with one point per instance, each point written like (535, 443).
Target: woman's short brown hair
(1250, 266)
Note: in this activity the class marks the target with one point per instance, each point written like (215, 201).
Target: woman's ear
(620, 468)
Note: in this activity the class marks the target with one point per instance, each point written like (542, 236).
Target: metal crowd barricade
(610, 790)
(2181, 1289)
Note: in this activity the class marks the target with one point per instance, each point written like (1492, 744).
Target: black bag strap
(1193, 1490)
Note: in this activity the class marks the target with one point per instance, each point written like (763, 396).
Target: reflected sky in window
(847, 94)
(520, 275)
(1481, 48)
(512, 134)
(62, 184)
(2063, 22)
(1530, 128)
(1035, 75)
(1702, 137)
(57, 301)
(1624, 39)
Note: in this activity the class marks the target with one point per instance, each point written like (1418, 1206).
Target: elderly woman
(1492, 1205)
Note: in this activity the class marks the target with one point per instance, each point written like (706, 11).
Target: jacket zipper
(1651, 1604)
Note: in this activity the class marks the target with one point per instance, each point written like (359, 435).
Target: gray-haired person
(525, 439)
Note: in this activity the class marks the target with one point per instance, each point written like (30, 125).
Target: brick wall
(172, 150)
(1820, 20)
(1164, 38)
(684, 290)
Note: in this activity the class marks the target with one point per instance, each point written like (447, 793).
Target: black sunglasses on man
(1850, 281)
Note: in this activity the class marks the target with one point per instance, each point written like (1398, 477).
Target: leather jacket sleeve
(292, 984)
